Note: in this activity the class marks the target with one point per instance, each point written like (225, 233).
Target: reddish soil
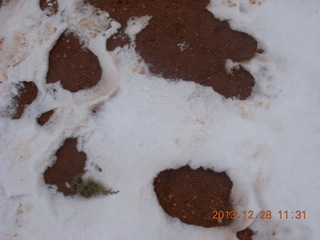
(44, 117)
(76, 67)
(69, 163)
(193, 195)
(27, 93)
(50, 6)
(184, 41)
(245, 234)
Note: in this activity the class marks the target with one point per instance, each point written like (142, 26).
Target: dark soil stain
(44, 117)
(69, 163)
(184, 41)
(245, 234)
(27, 93)
(193, 195)
(50, 6)
(76, 67)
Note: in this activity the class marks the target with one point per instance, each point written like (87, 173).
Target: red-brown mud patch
(194, 195)
(69, 163)
(245, 234)
(27, 93)
(76, 67)
(44, 117)
(184, 41)
(50, 6)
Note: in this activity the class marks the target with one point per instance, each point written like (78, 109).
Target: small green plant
(88, 188)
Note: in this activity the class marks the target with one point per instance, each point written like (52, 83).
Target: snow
(269, 144)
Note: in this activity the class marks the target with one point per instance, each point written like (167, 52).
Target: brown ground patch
(193, 195)
(184, 41)
(245, 234)
(69, 163)
(44, 117)
(50, 6)
(76, 67)
(27, 93)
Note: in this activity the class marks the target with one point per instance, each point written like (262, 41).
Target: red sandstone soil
(68, 164)
(44, 117)
(27, 93)
(74, 66)
(194, 195)
(245, 234)
(190, 195)
(209, 42)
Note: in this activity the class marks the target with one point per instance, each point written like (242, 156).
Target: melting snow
(269, 144)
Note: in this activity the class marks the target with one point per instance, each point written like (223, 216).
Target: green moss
(88, 188)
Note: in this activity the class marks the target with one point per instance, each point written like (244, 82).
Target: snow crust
(269, 144)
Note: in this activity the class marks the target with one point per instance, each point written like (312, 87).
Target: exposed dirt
(69, 163)
(184, 41)
(44, 117)
(193, 195)
(245, 234)
(76, 67)
(50, 6)
(27, 93)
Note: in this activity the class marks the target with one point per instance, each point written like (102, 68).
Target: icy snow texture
(269, 144)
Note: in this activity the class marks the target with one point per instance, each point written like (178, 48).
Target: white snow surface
(269, 144)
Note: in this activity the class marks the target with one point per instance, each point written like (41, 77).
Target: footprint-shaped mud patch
(69, 163)
(194, 195)
(76, 67)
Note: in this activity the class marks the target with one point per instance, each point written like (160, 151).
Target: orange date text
(263, 214)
